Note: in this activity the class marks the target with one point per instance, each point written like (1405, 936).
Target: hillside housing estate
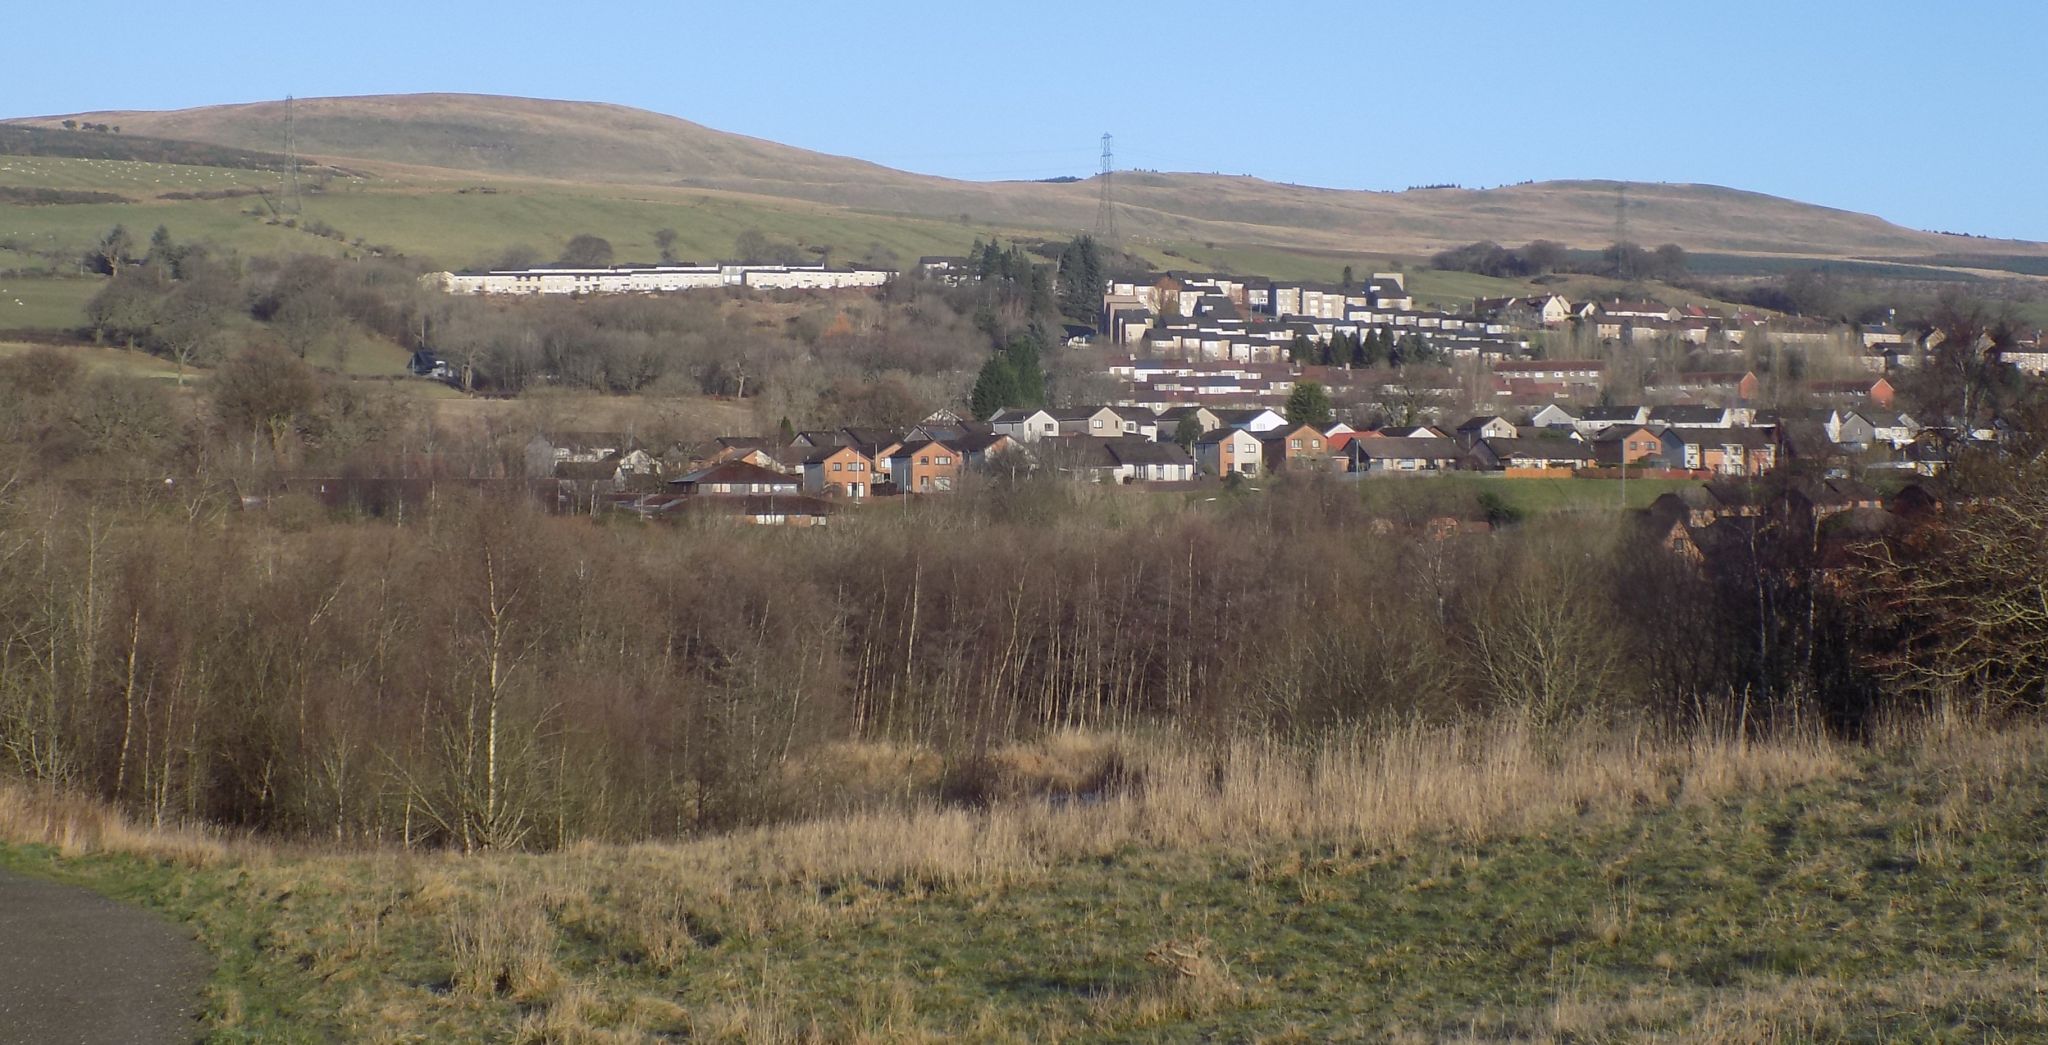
(650, 279)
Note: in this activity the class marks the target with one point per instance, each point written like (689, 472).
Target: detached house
(1485, 427)
(1376, 454)
(1136, 460)
(1098, 421)
(1545, 455)
(1627, 444)
(1230, 451)
(735, 477)
(1553, 416)
(1026, 425)
(1259, 420)
(1205, 420)
(1300, 448)
(840, 471)
(925, 466)
(1727, 451)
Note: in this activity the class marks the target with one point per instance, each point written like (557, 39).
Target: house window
(1095, 422)
(1294, 444)
(835, 466)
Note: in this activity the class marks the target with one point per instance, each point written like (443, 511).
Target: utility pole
(290, 191)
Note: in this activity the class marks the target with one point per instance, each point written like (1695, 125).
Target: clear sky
(1930, 115)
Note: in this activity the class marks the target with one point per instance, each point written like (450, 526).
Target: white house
(1025, 425)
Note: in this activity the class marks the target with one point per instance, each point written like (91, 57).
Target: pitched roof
(1145, 452)
(1539, 449)
(917, 446)
(731, 472)
(1697, 415)
(1610, 413)
(1402, 447)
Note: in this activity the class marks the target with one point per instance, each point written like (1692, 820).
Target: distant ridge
(495, 136)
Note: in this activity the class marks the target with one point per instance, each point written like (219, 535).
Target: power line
(291, 151)
(1105, 213)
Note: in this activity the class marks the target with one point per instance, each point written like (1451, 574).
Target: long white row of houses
(656, 279)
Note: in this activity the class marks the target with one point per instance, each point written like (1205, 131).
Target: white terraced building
(656, 279)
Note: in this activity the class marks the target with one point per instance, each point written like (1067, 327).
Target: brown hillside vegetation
(585, 142)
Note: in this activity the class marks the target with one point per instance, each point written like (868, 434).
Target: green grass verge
(1897, 901)
(1460, 493)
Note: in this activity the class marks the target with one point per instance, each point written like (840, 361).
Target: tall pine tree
(1027, 378)
(994, 389)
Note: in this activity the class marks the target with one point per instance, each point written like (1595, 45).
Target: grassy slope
(1884, 894)
(433, 218)
(585, 142)
(108, 360)
(30, 303)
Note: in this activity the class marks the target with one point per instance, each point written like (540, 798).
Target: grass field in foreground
(1546, 890)
(1460, 493)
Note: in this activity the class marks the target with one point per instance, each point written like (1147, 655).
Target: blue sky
(1928, 115)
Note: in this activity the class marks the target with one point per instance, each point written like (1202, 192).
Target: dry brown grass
(1378, 788)
(77, 826)
(505, 925)
(1796, 1009)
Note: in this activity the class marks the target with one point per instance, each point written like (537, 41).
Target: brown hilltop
(593, 142)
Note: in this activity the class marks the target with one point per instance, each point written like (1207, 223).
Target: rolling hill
(593, 144)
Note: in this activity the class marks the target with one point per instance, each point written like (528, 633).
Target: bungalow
(735, 477)
(1551, 415)
(838, 470)
(1230, 451)
(924, 466)
(1535, 454)
(1142, 460)
(1301, 448)
(1381, 454)
(753, 509)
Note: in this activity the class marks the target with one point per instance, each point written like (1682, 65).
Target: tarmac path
(78, 967)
